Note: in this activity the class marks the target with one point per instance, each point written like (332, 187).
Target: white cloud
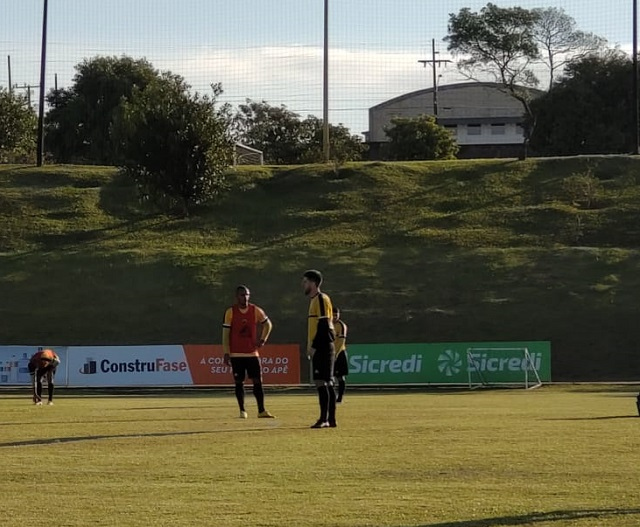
(293, 75)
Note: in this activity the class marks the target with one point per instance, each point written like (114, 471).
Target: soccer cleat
(266, 415)
(333, 424)
(39, 403)
(50, 403)
(320, 424)
(243, 414)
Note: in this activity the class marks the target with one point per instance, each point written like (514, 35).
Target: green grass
(413, 252)
(546, 458)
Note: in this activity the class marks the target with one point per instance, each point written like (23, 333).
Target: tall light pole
(434, 63)
(636, 113)
(9, 70)
(43, 64)
(326, 148)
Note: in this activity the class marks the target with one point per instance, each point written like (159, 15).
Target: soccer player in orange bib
(241, 345)
(43, 364)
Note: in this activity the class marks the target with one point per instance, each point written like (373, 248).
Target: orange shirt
(241, 324)
(44, 358)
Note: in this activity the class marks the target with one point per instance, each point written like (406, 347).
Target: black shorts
(341, 368)
(323, 363)
(244, 367)
(42, 372)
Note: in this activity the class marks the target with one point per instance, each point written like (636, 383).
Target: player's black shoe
(333, 424)
(320, 424)
(638, 403)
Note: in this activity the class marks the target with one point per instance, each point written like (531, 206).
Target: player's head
(46, 357)
(242, 295)
(336, 314)
(311, 281)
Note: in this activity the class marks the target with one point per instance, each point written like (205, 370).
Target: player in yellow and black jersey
(341, 367)
(320, 347)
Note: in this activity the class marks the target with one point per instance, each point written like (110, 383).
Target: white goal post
(503, 366)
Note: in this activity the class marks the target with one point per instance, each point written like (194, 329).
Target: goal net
(503, 366)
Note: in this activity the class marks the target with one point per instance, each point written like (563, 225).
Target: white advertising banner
(14, 364)
(128, 366)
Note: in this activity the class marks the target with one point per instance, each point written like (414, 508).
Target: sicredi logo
(480, 362)
(363, 364)
(449, 363)
(159, 365)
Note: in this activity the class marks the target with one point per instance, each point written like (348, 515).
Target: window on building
(498, 129)
(474, 129)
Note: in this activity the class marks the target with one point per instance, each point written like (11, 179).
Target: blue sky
(267, 49)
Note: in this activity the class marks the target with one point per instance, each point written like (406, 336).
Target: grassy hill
(412, 252)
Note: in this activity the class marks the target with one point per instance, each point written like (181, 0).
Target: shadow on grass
(597, 418)
(78, 439)
(109, 421)
(81, 238)
(538, 517)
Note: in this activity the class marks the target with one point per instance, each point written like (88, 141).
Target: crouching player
(43, 364)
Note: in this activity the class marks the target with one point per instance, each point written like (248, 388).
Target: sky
(269, 50)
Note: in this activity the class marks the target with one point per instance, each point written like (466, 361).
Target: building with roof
(245, 155)
(486, 121)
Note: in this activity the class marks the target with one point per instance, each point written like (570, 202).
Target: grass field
(552, 457)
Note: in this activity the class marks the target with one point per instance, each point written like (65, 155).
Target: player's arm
(265, 323)
(226, 332)
(341, 336)
(312, 328)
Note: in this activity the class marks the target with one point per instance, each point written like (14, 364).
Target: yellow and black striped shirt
(341, 336)
(320, 326)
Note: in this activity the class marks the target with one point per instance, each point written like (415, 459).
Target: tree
(589, 110)
(174, 143)
(343, 146)
(559, 41)
(273, 129)
(79, 123)
(499, 43)
(17, 128)
(286, 139)
(418, 138)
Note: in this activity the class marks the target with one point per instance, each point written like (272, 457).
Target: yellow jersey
(321, 332)
(341, 336)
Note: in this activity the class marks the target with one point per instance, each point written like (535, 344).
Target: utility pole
(434, 63)
(326, 148)
(636, 112)
(43, 64)
(9, 68)
(27, 90)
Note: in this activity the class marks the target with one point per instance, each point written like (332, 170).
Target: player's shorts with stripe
(323, 362)
(341, 367)
(244, 367)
